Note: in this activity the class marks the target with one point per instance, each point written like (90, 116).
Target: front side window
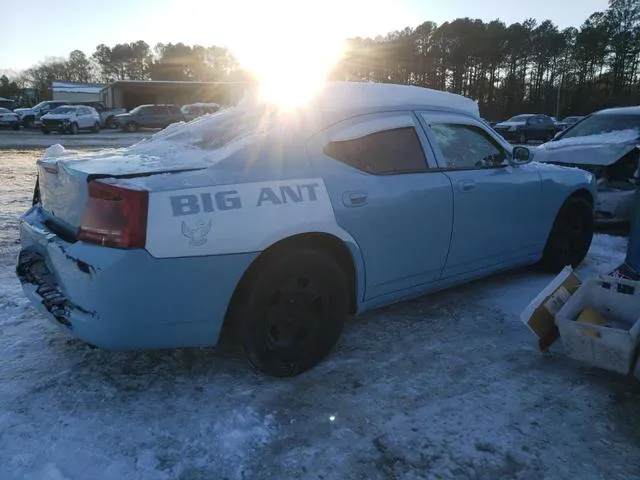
(383, 152)
(467, 147)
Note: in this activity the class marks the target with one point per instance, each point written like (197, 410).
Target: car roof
(346, 96)
(620, 111)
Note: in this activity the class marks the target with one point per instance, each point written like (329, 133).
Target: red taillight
(115, 216)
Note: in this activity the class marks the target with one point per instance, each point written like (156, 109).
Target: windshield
(571, 119)
(4, 110)
(604, 123)
(520, 118)
(62, 110)
(137, 109)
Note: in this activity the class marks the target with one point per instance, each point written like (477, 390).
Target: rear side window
(159, 110)
(392, 151)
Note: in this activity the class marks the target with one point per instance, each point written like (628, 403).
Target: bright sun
(290, 57)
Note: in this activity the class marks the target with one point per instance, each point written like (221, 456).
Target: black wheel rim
(293, 312)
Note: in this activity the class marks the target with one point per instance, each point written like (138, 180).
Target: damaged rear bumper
(120, 299)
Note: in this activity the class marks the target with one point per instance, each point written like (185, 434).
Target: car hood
(123, 115)
(601, 150)
(510, 124)
(56, 116)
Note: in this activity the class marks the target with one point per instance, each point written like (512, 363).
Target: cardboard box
(613, 345)
(539, 315)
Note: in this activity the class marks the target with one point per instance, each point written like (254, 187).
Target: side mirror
(521, 156)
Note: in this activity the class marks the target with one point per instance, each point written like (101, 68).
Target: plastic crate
(613, 346)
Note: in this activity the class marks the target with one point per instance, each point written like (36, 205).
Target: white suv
(71, 118)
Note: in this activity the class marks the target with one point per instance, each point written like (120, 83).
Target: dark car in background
(566, 122)
(522, 128)
(149, 116)
(195, 110)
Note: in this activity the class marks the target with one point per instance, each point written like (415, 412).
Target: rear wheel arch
(324, 242)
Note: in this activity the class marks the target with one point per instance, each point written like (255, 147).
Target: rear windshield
(604, 123)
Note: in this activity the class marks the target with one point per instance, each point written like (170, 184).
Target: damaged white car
(607, 144)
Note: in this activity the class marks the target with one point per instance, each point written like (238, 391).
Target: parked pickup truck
(30, 117)
(106, 114)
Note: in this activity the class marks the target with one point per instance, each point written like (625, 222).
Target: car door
(160, 116)
(386, 192)
(145, 117)
(497, 206)
(537, 128)
(83, 117)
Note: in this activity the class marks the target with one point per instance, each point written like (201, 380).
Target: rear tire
(15, 126)
(29, 122)
(570, 237)
(95, 128)
(108, 124)
(45, 131)
(131, 127)
(290, 313)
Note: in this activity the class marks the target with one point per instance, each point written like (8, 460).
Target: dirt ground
(449, 386)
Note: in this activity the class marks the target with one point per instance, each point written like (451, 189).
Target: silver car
(606, 144)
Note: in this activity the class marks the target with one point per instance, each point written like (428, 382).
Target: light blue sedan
(277, 226)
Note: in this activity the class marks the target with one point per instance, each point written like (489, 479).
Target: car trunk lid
(63, 184)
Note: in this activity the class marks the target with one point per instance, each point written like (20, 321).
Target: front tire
(73, 129)
(522, 138)
(291, 312)
(15, 126)
(570, 237)
(29, 122)
(95, 128)
(131, 127)
(46, 131)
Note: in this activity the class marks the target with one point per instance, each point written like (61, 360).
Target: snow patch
(54, 151)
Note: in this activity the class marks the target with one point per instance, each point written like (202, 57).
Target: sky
(245, 26)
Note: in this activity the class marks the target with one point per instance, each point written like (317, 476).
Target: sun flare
(291, 59)
(291, 77)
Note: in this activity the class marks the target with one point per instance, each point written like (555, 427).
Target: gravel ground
(449, 386)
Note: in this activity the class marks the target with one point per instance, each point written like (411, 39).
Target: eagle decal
(197, 235)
